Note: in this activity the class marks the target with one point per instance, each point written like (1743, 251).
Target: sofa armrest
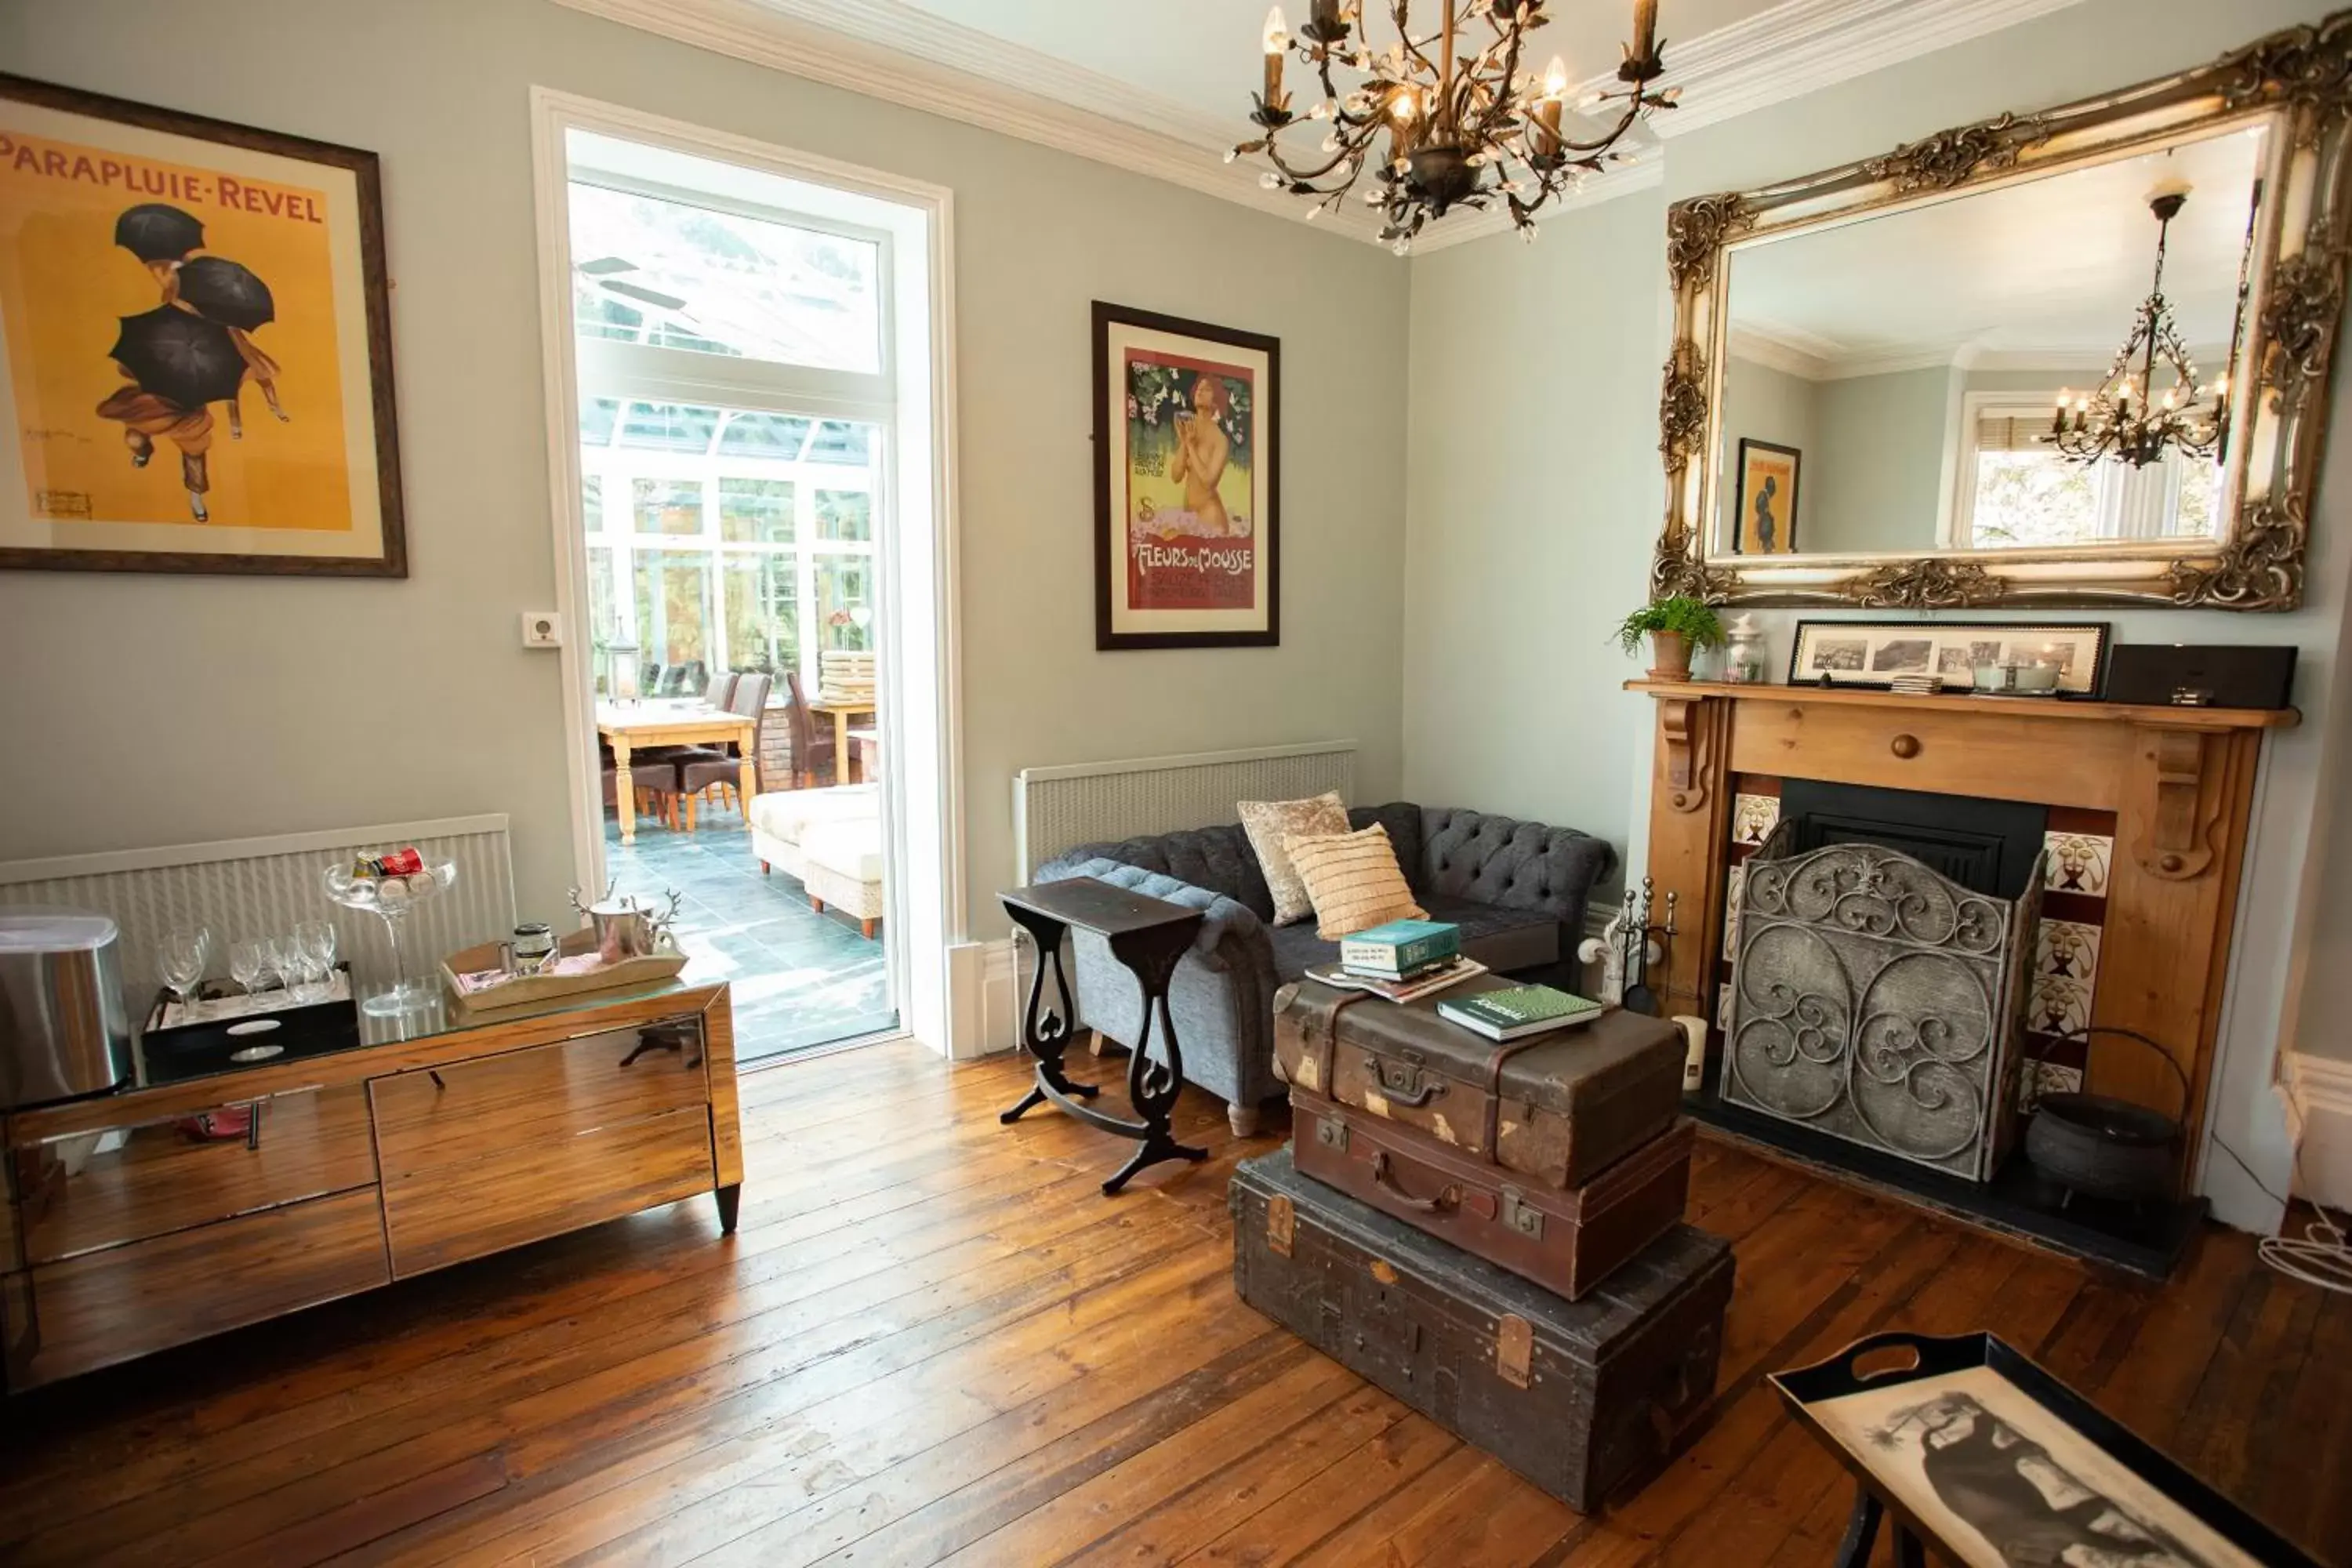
(1511, 864)
(1230, 934)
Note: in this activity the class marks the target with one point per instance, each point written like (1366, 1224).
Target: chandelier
(2122, 417)
(1439, 121)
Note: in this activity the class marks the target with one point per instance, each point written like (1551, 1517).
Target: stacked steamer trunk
(1492, 1233)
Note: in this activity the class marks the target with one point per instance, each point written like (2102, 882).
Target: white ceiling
(1161, 87)
(2053, 266)
(1204, 55)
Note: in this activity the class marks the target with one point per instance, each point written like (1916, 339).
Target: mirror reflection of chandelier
(1462, 123)
(2123, 417)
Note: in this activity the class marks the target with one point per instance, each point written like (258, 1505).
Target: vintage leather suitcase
(1566, 1239)
(1585, 1399)
(1556, 1108)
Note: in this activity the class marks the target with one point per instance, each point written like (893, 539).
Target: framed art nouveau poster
(1187, 437)
(197, 365)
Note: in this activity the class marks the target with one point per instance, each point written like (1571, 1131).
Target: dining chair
(704, 768)
(813, 743)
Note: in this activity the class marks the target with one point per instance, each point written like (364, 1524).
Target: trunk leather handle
(1447, 1199)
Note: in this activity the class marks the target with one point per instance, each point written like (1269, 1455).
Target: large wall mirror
(2073, 357)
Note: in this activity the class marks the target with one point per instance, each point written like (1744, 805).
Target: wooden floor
(934, 1339)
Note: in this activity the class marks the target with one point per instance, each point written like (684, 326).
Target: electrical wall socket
(541, 629)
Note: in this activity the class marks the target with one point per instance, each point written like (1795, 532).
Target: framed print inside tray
(197, 370)
(1873, 653)
(1996, 1464)
(1188, 449)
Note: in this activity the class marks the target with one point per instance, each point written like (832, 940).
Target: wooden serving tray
(1985, 1456)
(525, 990)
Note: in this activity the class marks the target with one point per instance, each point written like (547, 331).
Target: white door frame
(921, 672)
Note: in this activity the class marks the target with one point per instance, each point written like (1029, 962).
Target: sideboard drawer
(105, 1307)
(430, 1120)
(89, 1190)
(491, 1153)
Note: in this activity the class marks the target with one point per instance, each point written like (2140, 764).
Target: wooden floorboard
(934, 1341)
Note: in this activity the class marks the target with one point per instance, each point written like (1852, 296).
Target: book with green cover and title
(1524, 1010)
(1400, 947)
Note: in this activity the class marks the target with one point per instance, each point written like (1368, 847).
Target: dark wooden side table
(1149, 936)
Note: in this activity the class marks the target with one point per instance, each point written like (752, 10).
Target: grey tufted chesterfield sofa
(1517, 890)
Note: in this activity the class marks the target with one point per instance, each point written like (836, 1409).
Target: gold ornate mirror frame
(2300, 80)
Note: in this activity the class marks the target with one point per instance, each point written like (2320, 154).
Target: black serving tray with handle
(1895, 1359)
(199, 1051)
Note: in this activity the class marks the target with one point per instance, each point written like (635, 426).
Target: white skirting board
(2318, 1092)
(246, 887)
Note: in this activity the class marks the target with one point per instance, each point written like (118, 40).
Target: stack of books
(1401, 960)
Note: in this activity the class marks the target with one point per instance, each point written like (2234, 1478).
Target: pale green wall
(1880, 467)
(1552, 479)
(1760, 403)
(166, 709)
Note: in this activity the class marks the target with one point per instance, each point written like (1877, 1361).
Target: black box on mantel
(1583, 1398)
(2187, 675)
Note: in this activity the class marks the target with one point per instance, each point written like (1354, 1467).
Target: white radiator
(260, 887)
(1058, 808)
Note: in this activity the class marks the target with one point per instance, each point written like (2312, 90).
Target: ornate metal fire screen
(1877, 1001)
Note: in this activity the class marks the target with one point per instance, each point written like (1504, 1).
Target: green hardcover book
(1400, 947)
(1521, 1011)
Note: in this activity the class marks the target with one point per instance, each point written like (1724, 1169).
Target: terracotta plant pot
(1670, 654)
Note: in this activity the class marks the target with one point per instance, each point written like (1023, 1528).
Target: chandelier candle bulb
(1276, 40)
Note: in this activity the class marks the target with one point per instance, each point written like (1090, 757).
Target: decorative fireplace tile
(2059, 1004)
(2046, 1078)
(1753, 816)
(2068, 950)
(2078, 863)
(1732, 880)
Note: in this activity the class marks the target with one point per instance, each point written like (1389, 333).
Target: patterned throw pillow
(1354, 881)
(1270, 822)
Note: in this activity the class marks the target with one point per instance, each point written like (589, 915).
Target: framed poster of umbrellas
(198, 350)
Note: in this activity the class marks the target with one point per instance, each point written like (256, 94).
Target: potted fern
(1675, 626)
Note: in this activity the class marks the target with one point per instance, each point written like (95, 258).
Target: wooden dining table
(627, 726)
(845, 711)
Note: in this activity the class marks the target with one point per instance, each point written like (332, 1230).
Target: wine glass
(317, 941)
(300, 970)
(250, 960)
(184, 951)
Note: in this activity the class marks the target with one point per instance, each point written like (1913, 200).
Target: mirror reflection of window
(1916, 356)
(2019, 493)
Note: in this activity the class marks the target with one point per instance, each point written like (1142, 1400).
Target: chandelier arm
(1274, 156)
(1617, 134)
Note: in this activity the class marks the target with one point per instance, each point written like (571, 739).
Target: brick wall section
(775, 748)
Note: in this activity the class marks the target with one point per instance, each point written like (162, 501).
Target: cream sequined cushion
(1354, 881)
(1268, 823)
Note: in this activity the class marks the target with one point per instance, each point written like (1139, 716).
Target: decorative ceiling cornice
(891, 50)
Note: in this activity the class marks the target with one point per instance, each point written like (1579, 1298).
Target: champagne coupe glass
(185, 950)
(392, 899)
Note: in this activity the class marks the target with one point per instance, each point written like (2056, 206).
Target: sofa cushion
(1268, 823)
(1353, 878)
(1401, 819)
(851, 849)
(786, 813)
(1506, 941)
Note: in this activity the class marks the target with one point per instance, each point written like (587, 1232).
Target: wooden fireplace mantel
(2178, 780)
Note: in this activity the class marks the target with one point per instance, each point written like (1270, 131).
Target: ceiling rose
(1443, 120)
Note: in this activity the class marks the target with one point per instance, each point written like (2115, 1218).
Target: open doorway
(736, 472)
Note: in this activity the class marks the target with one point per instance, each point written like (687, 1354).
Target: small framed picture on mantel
(1187, 454)
(1876, 653)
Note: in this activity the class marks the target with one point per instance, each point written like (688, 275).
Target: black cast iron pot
(2109, 1148)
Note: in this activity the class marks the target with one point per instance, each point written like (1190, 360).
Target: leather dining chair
(813, 743)
(705, 768)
